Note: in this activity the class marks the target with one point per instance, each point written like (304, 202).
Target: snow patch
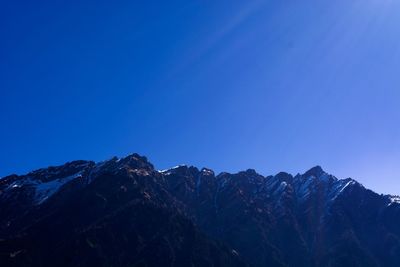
(339, 187)
(207, 172)
(394, 200)
(44, 191)
(282, 186)
(20, 183)
(306, 186)
(169, 171)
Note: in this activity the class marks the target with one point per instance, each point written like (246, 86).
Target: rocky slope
(123, 212)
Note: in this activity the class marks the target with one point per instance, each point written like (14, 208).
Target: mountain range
(125, 212)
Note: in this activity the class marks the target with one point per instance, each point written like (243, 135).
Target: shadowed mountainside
(124, 212)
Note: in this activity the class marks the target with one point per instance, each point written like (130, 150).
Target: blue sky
(270, 85)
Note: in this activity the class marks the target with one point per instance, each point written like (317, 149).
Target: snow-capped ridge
(43, 190)
(314, 171)
(171, 170)
(340, 186)
(207, 171)
(393, 199)
(300, 187)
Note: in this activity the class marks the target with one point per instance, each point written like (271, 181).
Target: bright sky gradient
(271, 85)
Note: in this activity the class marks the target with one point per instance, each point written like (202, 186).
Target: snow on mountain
(393, 200)
(312, 219)
(42, 190)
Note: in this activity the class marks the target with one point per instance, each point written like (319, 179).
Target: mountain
(124, 212)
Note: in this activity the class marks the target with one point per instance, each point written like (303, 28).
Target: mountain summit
(124, 212)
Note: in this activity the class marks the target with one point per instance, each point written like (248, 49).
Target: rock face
(123, 212)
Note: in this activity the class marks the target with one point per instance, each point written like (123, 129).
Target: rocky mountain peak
(136, 161)
(285, 177)
(192, 218)
(316, 171)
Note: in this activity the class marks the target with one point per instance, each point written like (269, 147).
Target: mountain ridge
(239, 219)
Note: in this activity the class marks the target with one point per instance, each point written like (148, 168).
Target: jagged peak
(181, 168)
(341, 186)
(315, 171)
(284, 177)
(249, 172)
(69, 164)
(54, 172)
(136, 161)
(207, 171)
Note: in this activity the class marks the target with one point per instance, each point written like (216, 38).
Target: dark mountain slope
(123, 212)
(115, 213)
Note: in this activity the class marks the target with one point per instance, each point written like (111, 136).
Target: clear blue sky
(270, 85)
